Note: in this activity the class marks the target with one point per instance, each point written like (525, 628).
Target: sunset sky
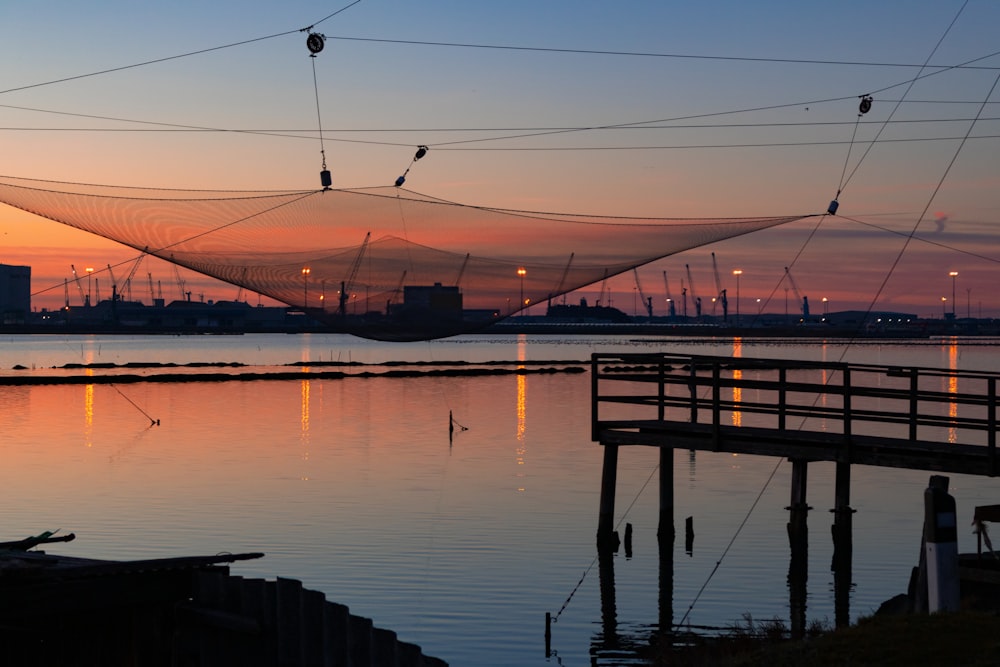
(710, 109)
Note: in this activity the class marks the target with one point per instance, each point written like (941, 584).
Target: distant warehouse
(15, 293)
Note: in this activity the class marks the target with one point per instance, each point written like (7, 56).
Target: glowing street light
(90, 271)
(825, 305)
(522, 272)
(953, 274)
(737, 273)
(305, 285)
(944, 309)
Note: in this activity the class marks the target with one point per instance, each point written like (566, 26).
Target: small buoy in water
(832, 208)
(866, 104)
(325, 178)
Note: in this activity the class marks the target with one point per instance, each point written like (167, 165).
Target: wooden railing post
(594, 397)
(991, 418)
(693, 385)
(661, 395)
(716, 402)
(782, 396)
(847, 413)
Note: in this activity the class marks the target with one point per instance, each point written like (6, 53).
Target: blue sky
(378, 100)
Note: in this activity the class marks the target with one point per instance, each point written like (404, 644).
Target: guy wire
(319, 116)
(565, 604)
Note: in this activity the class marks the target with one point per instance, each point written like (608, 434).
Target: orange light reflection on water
(737, 376)
(522, 409)
(304, 420)
(88, 411)
(953, 388)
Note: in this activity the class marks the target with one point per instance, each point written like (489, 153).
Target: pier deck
(931, 419)
(906, 417)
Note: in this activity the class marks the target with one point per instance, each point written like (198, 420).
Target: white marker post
(941, 540)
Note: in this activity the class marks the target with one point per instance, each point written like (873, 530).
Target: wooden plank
(313, 603)
(253, 604)
(336, 631)
(289, 621)
(359, 641)
(383, 648)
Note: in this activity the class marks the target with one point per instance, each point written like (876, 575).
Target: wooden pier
(905, 417)
(175, 612)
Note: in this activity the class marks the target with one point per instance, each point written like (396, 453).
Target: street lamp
(305, 286)
(522, 272)
(90, 299)
(944, 309)
(953, 274)
(825, 300)
(737, 273)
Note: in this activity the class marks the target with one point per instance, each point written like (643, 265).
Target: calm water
(353, 487)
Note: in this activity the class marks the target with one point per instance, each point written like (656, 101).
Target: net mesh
(383, 263)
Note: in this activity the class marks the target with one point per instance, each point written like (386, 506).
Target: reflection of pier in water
(904, 417)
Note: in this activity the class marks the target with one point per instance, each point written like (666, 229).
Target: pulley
(866, 104)
(421, 151)
(315, 43)
(325, 178)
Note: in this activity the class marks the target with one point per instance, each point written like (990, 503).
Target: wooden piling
(179, 613)
(609, 482)
(383, 648)
(289, 620)
(360, 640)
(548, 634)
(800, 468)
(337, 629)
(665, 528)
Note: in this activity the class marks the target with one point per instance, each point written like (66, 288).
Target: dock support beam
(798, 541)
(665, 530)
(609, 482)
(843, 545)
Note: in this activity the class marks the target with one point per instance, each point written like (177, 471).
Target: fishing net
(383, 263)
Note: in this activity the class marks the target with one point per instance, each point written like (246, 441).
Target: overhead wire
(945, 246)
(144, 63)
(938, 69)
(920, 219)
(299, 133)
(909, 87)
(874, 300)
(650, 54)
(174, 57)
(154, 61)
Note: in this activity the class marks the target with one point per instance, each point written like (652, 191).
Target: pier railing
(901, 416)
